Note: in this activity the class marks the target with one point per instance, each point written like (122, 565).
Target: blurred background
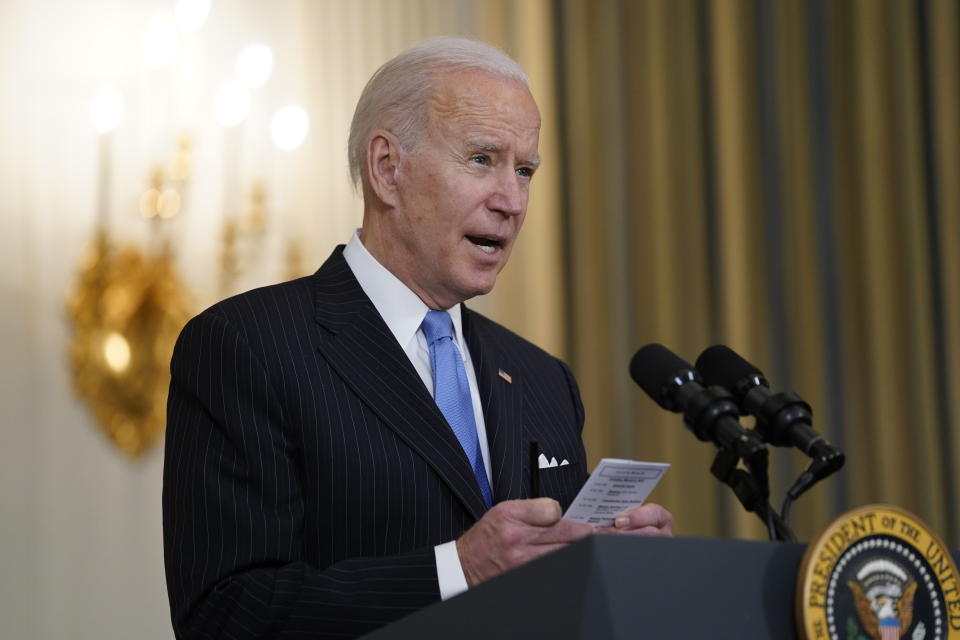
(782, 177)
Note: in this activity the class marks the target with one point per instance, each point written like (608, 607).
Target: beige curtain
(529, 296)
(781, 177)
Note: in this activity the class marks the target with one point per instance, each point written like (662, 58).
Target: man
(346, 448)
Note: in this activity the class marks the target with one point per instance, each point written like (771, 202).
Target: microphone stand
(752, 489)
(821, 467)
(712, 415)
(776, 414)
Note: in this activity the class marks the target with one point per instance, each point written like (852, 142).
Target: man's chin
(478, 287)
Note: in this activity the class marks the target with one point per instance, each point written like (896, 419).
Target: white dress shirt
(403, 311)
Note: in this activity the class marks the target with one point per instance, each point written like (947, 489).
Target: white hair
(395, 98)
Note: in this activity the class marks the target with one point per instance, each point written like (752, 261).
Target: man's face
(462, 193)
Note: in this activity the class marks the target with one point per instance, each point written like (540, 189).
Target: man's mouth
(487, 244)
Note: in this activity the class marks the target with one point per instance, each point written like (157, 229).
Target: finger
(647, 515)
(653, 532)
(643, 516)
(540, 512)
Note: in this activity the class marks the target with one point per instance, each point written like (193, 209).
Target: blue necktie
(451, 391)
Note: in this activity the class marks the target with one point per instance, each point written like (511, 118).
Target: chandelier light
(289, 127)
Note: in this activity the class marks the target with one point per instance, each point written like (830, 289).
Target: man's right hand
(514, 532)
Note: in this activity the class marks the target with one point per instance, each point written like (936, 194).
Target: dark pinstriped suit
(308, 472)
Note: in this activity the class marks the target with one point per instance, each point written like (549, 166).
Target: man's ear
(383, 165)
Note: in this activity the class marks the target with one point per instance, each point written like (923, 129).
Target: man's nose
(510, 197)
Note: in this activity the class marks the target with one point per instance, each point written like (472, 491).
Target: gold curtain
(529, 296)
(784, 178)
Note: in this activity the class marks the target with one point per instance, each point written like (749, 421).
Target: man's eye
(480, 159)
(525, 172)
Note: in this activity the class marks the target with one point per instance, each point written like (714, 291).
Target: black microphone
(712, 415)
(783, 419)
(709, 413)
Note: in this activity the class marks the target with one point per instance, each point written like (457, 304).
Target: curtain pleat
(940, 40)
(781, 177)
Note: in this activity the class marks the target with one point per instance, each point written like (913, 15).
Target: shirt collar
(400, 308)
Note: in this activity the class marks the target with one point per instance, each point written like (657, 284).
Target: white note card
(613, 487)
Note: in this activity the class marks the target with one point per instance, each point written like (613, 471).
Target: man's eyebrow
(492, 147)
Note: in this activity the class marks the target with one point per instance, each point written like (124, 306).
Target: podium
(619, 587)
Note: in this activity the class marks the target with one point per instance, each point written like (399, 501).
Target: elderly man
(351, 446)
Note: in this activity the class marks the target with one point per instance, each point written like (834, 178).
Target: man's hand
(646, 520)
(514, 532)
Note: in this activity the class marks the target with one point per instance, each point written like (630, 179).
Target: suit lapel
(360, 348)
(502, 401)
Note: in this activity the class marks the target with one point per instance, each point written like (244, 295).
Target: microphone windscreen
(721, 365)
(653, 367)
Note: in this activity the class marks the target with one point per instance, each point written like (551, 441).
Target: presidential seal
(878, 573)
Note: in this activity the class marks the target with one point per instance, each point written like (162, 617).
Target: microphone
(783, 419)
(713, 416)
(709, 413)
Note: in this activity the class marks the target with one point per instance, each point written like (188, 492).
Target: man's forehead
(484, 94)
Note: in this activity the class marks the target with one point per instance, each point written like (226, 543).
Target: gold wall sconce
(127, 308)
(129, 303)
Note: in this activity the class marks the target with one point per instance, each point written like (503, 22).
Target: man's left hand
(646, 520)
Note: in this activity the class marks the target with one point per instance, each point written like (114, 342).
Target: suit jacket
(308, 472)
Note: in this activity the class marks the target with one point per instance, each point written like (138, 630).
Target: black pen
(534, 469)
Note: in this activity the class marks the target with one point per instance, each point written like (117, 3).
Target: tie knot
(437, 325)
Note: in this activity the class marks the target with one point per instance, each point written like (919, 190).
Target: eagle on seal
(883, 595)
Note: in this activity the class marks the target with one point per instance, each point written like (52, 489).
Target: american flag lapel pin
(506, 376)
